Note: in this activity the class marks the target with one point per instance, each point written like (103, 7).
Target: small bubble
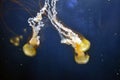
(117, 73)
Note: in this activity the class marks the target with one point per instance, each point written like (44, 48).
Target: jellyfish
(68, 36)
(36, 23)
(16, 40)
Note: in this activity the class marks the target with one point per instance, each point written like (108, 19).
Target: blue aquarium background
(97, 20)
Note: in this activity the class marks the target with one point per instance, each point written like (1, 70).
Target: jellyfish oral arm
(36, 23)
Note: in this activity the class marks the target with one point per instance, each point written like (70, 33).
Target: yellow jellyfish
(80, 49)
(30, 48)
(16, 40)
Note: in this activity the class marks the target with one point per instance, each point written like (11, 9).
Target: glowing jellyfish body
(69, 37)
(29, 50)
(80, 49)
(16, 40)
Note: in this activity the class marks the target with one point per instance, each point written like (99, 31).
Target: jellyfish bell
(85, 44)
(82, 59)
(29, 50)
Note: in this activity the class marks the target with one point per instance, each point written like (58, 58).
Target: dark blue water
(97, 20)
